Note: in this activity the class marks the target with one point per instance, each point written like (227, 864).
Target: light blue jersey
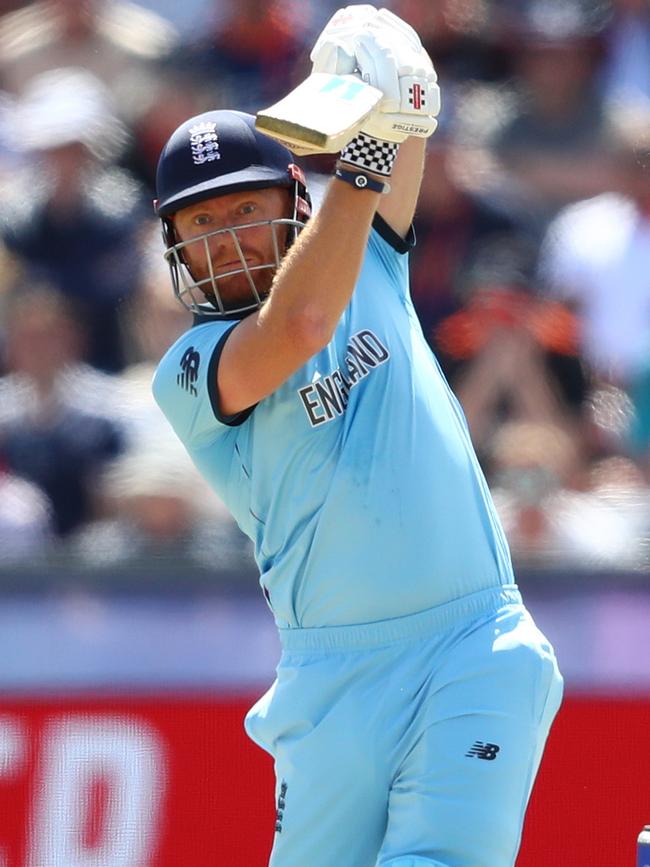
(356, 479)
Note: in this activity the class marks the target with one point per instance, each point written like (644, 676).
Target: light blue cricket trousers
(412, 741)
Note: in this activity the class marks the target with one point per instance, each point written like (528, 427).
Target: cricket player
(414, 693)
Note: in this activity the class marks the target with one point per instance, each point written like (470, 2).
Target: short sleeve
(391, 251)
(185, 385)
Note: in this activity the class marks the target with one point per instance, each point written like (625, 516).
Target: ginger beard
(235, 288)
(252, 252)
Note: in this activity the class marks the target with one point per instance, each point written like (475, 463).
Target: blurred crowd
(531, 275)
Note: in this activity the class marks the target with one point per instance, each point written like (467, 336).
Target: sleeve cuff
(401, 245)
(213, 391)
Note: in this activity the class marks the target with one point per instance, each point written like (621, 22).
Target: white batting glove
(391, 57)
(387, 53)
(333, 51)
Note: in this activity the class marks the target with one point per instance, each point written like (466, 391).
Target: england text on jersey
(327, 397)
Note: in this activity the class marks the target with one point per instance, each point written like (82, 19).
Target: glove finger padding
(377, 65)
(334, 56)
(389, 22)
(342, 27)
(387, 53)
(404, 73)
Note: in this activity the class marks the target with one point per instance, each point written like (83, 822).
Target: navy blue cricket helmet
(213, 154)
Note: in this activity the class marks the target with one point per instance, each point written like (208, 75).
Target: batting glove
(387, 53)
(333, 51)
(390, 56)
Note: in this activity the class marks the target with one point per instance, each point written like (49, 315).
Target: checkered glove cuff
(372, 154)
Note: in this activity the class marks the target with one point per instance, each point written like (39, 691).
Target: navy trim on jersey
(208, 316)
(401, 245)
(213, 394)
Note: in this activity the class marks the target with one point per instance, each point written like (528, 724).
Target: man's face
(233, 210)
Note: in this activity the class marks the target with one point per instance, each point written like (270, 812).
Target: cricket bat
(321, 115)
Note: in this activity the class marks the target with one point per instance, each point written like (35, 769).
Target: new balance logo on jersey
(480, 750)
(189, 370)
(279, 813)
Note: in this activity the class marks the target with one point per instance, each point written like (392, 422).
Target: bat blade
(321, 115)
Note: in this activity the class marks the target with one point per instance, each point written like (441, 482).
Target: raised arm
(315, 283)
(316, 280)
(398, 207)
(309, 294)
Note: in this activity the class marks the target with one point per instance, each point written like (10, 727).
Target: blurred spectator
(626, 72)
(120, 43)
(553, 146)
(608, 416)
(454, 222)
(25, 521)
(155, 319)
(511, 355)
(458, 34)
(175, 95)
(619, 484)
(157, 512)
(597, 256)
(69, 214)
(47, 432)
(253, 52)
(554, 513)
(7, 150)
(190, 19)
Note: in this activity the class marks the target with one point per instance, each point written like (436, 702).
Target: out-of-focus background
(132, 633)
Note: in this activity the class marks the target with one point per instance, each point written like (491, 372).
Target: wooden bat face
(321, 115)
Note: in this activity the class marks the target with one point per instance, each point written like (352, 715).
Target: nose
(220, 243)
(224, 250)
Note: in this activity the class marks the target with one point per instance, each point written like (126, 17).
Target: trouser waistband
(412, 626)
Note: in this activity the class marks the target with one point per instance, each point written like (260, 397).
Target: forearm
(398, 207)
(317, 278)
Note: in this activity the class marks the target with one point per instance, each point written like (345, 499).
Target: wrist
(361, 180)
(372, 155)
